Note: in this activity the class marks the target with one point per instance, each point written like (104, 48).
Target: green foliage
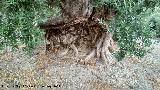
(18, 22)
(134, 25)
(155, 21)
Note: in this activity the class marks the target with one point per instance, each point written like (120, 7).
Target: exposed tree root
(102, 49)
(74, 48)
(92, 54)
(80, 28)
(64, 52)
(99, 43)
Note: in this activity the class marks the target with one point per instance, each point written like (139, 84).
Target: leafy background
(19, 20)
(135, 25)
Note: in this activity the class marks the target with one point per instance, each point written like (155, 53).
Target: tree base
(80, 34)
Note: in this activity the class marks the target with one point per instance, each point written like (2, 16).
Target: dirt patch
(65, 73)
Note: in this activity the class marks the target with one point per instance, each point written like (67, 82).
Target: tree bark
(79, 26)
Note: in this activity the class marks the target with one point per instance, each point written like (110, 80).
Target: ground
(66, 73)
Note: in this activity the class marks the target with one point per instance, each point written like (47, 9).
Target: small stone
(158, 80)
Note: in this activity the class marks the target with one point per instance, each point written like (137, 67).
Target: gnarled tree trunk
(78, 29)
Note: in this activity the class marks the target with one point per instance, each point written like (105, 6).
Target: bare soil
(67, 73)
